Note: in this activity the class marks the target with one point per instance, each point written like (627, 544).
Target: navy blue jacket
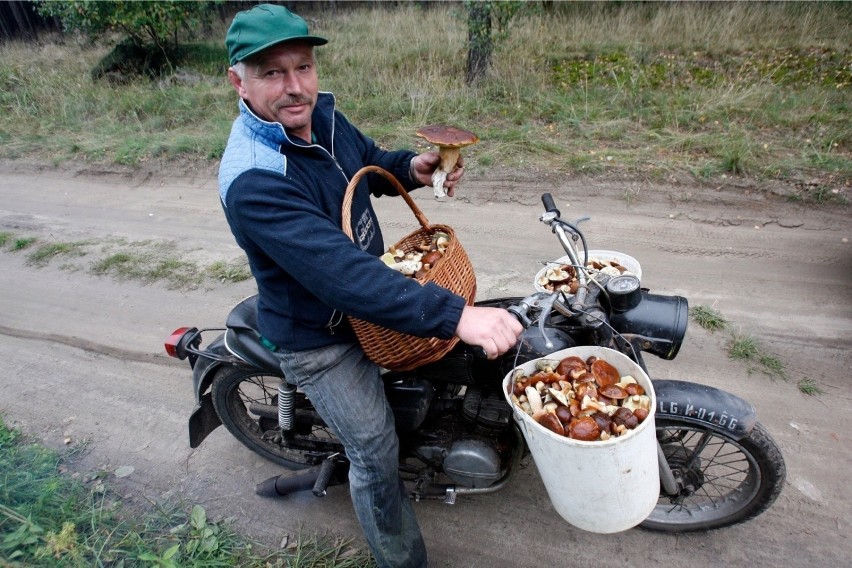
(283, 198)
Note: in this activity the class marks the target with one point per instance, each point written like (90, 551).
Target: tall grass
(647, 89)
(49, 519)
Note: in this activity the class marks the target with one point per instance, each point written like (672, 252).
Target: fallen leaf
(124, 471)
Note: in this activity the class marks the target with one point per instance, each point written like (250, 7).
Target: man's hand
(423, 166)
(493, 329)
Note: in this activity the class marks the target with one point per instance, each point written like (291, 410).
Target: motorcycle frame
(693, 403)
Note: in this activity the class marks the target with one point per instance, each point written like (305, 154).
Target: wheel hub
(689, 478)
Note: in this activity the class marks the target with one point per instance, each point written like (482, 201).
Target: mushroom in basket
(450, 141)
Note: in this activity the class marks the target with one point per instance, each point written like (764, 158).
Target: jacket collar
(273, 133)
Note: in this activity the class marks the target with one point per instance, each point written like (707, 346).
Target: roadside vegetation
(647, 90)
(51, 517)
(744, 347)
(145, 261)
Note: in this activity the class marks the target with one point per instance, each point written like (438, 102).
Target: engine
(470, 442)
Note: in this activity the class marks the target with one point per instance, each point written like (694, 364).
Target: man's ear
(236, 82)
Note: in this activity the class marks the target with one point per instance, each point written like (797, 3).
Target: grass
(708, 318)
(23, 243)
(230, 271)
(145, 261)
(49, 519)
(45, 253)
(744, 347)
(647, 90)
(809, 387)
(150, 262)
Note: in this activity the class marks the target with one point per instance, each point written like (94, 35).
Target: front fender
(705, 406)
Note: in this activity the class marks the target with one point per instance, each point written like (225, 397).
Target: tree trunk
(480, 44)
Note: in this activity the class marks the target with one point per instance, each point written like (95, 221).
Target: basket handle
(346, 214)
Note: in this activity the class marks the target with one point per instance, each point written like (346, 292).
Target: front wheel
(723, 481)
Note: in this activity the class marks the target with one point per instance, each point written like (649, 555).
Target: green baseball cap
(263, 26)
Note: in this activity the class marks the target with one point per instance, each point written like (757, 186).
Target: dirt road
(82, 354)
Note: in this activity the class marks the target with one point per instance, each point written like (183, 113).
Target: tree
(487, 25)
(154, 25)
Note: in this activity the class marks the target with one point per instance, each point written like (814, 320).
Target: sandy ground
(82, 354)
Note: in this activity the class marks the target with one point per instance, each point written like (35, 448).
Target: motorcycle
(718, 465)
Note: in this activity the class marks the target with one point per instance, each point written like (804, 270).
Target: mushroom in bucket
(450, 141)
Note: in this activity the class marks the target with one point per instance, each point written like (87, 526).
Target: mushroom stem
(449, 158)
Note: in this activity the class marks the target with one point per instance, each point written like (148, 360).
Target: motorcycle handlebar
(549, 204)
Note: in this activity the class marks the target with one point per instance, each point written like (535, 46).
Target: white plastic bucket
(603, 486)
(631, 264)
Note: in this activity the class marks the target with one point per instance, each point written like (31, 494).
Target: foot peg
(326, 470)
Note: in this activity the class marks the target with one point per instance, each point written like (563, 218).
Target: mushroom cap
(447, 136)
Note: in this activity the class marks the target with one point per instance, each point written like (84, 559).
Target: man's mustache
(296, 100)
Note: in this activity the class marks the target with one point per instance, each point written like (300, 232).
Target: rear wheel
(723, 481)
(247, 402)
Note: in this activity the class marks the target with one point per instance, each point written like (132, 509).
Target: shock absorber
(286, 405)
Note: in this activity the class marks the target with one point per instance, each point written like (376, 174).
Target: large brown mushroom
(449, 140)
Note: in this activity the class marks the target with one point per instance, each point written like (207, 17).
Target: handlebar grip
(520, 314)
(549, 204)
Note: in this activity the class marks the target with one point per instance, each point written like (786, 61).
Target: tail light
(181, 338)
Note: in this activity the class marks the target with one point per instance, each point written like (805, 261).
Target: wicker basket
(399, 351)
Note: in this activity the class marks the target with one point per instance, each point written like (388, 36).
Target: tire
(234, 388)
(731, 482)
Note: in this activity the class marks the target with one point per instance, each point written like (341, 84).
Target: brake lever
(541, 301)
(546, 305)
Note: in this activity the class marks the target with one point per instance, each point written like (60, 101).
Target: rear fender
(705, 406)
(204, 418)
(205, 367)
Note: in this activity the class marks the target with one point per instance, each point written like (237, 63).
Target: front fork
(668, 483)
(702, 406)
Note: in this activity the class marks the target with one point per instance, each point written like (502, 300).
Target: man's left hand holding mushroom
(424, 165)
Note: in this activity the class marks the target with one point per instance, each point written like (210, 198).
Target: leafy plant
(158, 22)
(51, 520)
(153, 30)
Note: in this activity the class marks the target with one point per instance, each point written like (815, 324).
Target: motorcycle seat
(244, 315)
(243, 339)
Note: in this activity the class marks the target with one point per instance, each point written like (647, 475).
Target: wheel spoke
(235, 391)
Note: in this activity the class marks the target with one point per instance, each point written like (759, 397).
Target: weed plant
(809, 387)
(145, 261)
(645, 89)
(744, 347)
(49, 519)
(23, 243)
(708, 318)
(45, 253)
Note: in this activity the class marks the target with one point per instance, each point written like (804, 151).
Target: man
(282, 178)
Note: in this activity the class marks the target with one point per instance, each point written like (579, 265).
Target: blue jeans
(347, 392)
